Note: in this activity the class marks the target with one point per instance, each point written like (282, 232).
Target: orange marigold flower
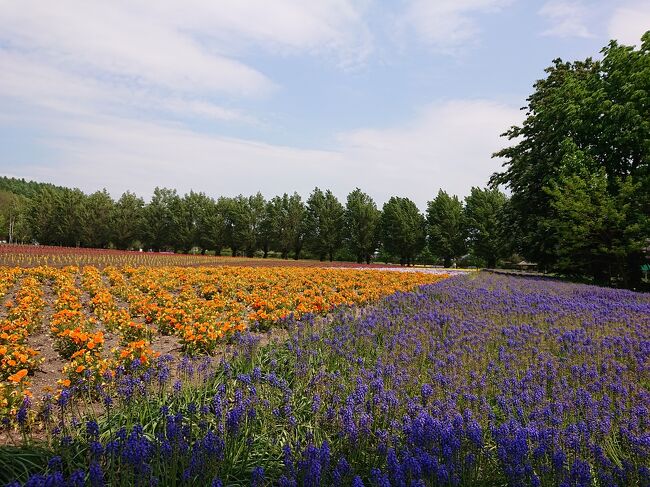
(18, 376)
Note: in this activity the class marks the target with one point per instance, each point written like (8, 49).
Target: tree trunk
(12, 221)
(447, 261)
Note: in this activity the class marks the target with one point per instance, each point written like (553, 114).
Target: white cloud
(448, 146)
(182, 46)
(284, 26)
(102, 40)
(164, 59)
(44, 87)
(447, 25)
(629, 22)
(568, 18)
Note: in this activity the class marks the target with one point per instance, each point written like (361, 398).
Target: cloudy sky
(399, 97)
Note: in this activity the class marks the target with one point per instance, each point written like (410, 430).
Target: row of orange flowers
(22, 316)
(201, 306)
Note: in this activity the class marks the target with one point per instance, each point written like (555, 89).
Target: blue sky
(397, 98)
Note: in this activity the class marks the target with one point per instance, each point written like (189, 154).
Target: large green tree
(361, 220)
(402, 229)
(56, 216)
(447, 231)
(287, 214)
(96, 223)
(14, 226)
(484, 217)
(585, 117)
(215, 235)
(245, 217)
(127, 220)
(324, 221)
(159, 219)
(595, 228)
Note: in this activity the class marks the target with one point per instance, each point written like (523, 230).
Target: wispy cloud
(448, 25)
(429, 153)
(164, 60)
(567, 18)
(56, 92)
(100, 40)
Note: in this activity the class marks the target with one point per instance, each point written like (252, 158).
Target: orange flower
(80, 369)
(18, 376)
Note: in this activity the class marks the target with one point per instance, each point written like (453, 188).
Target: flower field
(52, 256)
(474, 380)
(78, 311)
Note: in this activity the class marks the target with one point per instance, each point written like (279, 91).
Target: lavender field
(476, 380)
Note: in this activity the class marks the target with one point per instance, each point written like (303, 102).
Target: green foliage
(402, 229)
(14, 226)
(19, 462)
(97, 224)
(588, 119)
(159, 219)
(245, 217)
(361, 220)
(27, 189)
(483, 219)
(287, 224)
(447, 231)
(324, 223)
(127, 220)
(56, 216)
(593, 228)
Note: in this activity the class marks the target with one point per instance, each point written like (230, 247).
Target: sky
(398, 98)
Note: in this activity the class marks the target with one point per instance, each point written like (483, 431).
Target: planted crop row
(200, 307)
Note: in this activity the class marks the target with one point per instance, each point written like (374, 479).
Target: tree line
(321, 227)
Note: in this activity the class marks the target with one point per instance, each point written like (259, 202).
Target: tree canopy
(447, 231)
(587, 119)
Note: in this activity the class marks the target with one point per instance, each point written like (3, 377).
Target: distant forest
(578, 175)
(321, 227)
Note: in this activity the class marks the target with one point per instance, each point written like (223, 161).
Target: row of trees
(321, 226)
(579, 173)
